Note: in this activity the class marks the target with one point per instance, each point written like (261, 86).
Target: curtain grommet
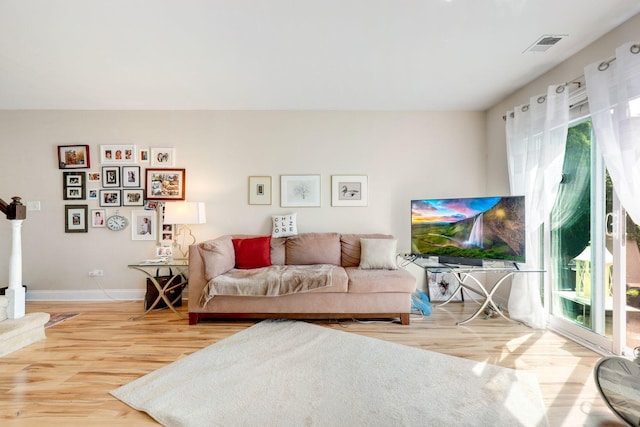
(560, 89)
(635, 48)
(541, 99)
(603, 66)
(525, 108)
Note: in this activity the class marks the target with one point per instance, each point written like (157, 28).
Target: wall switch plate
(33, 206)
(96, 273)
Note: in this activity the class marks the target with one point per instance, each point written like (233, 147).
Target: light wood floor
(65, 380)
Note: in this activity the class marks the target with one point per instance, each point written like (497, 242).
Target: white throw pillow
(284, 225)
(378, 254)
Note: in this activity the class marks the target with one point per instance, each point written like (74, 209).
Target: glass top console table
(178, 267)
(465, 274)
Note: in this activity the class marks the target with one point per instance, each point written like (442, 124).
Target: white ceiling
(285, 54)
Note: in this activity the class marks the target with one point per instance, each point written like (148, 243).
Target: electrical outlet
(96, 273)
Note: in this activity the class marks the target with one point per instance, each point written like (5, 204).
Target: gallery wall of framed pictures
(125, 176)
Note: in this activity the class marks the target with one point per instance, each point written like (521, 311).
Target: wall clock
(117, 222)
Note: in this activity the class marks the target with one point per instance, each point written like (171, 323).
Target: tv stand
(487, 290)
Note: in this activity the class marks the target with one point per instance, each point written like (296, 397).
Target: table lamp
(182, 214)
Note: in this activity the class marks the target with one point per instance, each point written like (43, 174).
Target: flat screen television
(469, 230)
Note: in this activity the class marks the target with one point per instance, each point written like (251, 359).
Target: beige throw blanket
(269, 281)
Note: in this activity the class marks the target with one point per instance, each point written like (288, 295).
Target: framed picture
(163, 157)
(93, 177)
(441, 285)
(166, 237)
(117, 154)
(165, 184)
(143, 226)
(109, 197)
(143, 155)
(98, 218)
(299, 191)
(164, 251)
(131, 176)
(74, 185)
(259, 190)
(349, 190)
(111, 176)
(92, 194)
(133, 197)
(73, 157)
(75, 219)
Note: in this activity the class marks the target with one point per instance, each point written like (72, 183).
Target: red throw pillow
(252, 253)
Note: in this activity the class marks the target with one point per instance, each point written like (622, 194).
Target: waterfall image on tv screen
(480, 228)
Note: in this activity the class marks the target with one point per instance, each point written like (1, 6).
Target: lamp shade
(184, 213)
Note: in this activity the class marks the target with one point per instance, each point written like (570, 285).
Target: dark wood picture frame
(75, 218)
(165, 184)
(133, 197)
(110, 197)
(74, 185)
(73, 157)
(111, 176)
(131, 177)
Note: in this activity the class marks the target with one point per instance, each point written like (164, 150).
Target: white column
(15, 294)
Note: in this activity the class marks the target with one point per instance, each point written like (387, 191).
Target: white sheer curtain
(536, 139)
(613, 88)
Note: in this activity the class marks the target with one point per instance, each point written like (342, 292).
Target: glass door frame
(599, 229)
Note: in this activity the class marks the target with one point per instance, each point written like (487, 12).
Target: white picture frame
(98, 218)
(163, 157)
(164, 251)
(349, 190)
(143, 156)
(143, 225)
(300, 191)
(259, 190)
(117, 154)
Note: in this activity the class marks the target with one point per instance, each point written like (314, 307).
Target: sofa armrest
(196, 277)
(206, 261)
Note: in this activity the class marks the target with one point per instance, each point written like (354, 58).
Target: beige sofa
(362, 282)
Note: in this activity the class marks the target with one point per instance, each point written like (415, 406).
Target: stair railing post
(15, 293)
(16, 213)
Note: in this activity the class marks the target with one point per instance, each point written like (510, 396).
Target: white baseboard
(87, 295)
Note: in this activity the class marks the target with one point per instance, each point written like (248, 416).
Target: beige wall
(601, 49)
(405, 155)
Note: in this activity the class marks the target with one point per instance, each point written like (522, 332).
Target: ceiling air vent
(545, 42)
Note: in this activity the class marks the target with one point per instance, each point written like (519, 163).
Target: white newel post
(15, 293)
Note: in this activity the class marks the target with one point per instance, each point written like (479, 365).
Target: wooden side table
(178, 280)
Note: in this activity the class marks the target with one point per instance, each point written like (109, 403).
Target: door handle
(609, 220)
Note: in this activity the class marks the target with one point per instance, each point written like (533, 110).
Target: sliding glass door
(632, 285)
(594, 253)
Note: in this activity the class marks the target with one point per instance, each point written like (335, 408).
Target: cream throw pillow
(284, 225)
(378, 254)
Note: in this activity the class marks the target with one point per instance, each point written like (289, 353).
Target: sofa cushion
(277, 250)
(218, 256)
(350, 245)
(378, 254)
(252, 253)
(313, 248)
(368, 281)
(284, 225)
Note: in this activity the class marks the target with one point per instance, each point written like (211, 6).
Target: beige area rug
(287, 373)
